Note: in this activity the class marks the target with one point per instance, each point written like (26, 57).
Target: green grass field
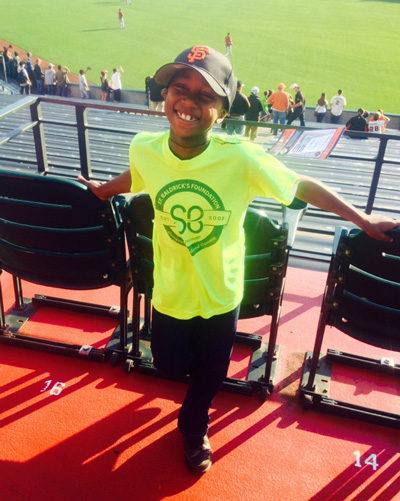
(323, 45)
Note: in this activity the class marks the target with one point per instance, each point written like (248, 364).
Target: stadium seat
(265, 269)
(362, 299)
(54, 232)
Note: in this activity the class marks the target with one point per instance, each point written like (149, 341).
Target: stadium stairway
(348, 170)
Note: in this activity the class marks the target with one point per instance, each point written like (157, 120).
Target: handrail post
(376, 175)
(38, 137)
(83, 141)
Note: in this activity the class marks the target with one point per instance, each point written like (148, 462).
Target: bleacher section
(348, 170)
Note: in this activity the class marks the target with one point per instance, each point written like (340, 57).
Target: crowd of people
(279, 106)
(283, 109)
(54, 80)
(360, 122)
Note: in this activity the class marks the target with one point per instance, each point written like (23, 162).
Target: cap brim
(165, 74)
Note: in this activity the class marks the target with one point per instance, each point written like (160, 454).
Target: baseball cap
(293, 86)
(255, 90)
(214, 67)
(281, 86)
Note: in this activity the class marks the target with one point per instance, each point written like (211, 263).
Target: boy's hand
(116, 186)
(93, 186)
(376, 226)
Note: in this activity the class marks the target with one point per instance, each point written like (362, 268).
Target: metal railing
(378, 160)
(82, 127)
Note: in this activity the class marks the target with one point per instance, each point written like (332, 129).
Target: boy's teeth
(188, 118)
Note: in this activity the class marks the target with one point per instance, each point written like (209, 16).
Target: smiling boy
(200, 184)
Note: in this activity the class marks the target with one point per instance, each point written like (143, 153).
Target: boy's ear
(221, 116)
(164, 92)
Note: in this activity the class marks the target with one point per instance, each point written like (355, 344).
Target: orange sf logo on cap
(198, 53)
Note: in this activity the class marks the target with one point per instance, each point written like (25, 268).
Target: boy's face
(191, 106)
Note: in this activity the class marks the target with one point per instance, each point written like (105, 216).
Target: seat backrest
(55, 232)
(366, 298)
(265, 258)
(265, 263)
(138, 215)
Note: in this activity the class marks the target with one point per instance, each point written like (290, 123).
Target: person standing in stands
(105, 88)
(29, 68)
(39, 77)
(228, 44)
(23, 79)
(50, 80)
(321, 108)
(15, 64)
(279, 101)
(195, 178)
(7, 56)
(337, 105)
(298, 107)
(62, 80)
(83, 85)
(116, 83)
(253, 114)
(147, 88)
(266, 116)
(239, 108)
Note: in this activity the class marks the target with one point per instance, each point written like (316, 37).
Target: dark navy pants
(201, 348)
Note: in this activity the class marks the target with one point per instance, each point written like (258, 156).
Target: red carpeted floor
(81, 430)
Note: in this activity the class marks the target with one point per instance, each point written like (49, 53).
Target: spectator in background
(15, 64)
(253, 114)
(147, 88)
(337, 105)
(50, 80)
(358, 122)
(267, 114)
(378, 122)
(321, 108)
(7, 56)
(298, 106)
(29, 67)
(279, 101)
(116, 83)
(105, 88)
(39, 77)
(23, 79)
(239, 108)
(156, 98)
(83, 85)
(62, 80)
(121, 19)
(385, 118)
(228, 44)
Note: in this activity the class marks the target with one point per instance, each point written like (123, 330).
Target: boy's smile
(192, 108)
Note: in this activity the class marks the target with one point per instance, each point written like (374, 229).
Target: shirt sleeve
(272, 179)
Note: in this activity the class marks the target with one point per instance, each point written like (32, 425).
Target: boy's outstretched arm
(118, 185)
(315, 193)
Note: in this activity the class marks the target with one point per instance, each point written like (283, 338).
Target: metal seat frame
(362, 299)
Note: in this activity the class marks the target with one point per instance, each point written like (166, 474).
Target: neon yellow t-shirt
(200, 206)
